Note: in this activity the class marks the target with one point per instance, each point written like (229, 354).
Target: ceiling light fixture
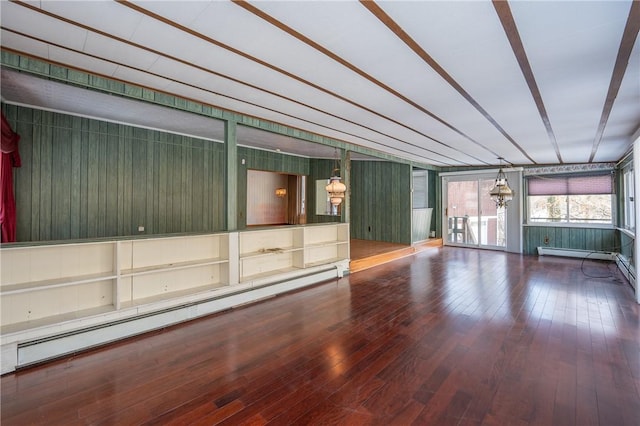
(501, 193)
(336, 189)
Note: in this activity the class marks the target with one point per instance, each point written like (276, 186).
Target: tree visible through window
(570, 199)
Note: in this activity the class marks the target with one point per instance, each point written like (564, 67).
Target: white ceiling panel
(38, 25)
(343, 71)
(572, 48)
(116, 51)
(168, 69)
(141, 78)
(24, 44)
(80, 61)
(106, 16)
(181, 12)
(480, 59)
(623, 120)
(173, 43)
(228, 22)
(352, 33)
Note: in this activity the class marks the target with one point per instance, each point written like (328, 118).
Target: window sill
(627, 232)
(571, 225)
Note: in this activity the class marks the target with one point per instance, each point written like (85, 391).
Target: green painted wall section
(231, 175)
(434, 200)
(381, 201)
(83, 178)
(273, 161)
(318, 170)
(593, 239)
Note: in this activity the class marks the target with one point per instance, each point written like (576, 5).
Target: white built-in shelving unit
(164, 268)
(325, 244)
(53, 283)
(265, 253)
(48, 290)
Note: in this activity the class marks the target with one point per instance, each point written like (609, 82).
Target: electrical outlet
(140, 228)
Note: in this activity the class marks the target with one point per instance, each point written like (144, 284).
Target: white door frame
(514, 209)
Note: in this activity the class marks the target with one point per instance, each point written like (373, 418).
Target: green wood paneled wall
(83, 178)
(319, 169)
(433, 200)
(595, 239)
(381, 201)
(273, 161)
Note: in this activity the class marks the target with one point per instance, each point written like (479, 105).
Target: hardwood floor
(361, 249)
(448, 336)
(366, 253)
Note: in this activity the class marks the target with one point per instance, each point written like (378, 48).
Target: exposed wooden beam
(413, 45)
(253, 9)
(629, 37)
(511, 30)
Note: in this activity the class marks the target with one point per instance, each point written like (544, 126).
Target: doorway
(471, 217)
(275, 198)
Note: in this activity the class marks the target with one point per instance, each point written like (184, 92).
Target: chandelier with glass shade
(501, 193)
(336, 188)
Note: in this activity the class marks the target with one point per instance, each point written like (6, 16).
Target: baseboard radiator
(627, 269)
(565, 252)
(35, 351)
(624, 265)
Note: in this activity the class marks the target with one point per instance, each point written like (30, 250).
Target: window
(628, 202)
(420, 191)
(570, 199)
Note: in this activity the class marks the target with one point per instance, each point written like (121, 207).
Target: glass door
(462, 212)
(471, 216)
(493, 219)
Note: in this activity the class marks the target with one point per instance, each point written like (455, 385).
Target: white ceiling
(448, 83)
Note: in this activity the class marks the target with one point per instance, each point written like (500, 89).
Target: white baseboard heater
(565, 252)
(627, 269)
(53, 345)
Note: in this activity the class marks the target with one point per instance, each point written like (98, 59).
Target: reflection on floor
(463, 337)
(366, 253)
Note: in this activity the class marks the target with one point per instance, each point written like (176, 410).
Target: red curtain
(9, 158)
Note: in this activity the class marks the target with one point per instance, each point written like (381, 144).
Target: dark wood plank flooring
(449, 336)
(361, 249)
(366, 253)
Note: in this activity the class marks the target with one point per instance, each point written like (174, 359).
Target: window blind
(570, 185)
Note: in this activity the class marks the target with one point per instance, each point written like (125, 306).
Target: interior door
(471, 217)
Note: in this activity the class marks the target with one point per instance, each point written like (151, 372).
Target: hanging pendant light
(336, 189)
(501, 193)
